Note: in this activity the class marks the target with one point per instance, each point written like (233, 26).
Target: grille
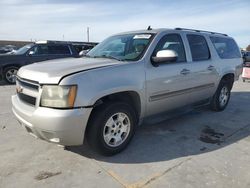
(27, 99)
(27, 91)
(27, 84)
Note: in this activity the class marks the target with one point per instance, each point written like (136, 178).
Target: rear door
(202, 68)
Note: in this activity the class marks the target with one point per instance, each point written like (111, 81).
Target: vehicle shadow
(192, 133)
(3, 83)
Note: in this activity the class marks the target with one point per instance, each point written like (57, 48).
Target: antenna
(149, 28)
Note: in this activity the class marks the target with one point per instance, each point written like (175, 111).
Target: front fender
(111, 91)
(97, 83)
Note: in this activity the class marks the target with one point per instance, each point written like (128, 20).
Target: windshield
(129, 47)
(24, 49)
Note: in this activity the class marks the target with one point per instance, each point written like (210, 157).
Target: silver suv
(126, 78)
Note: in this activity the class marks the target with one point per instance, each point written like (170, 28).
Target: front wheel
(10, 74)
(111, 127)
(221, 96)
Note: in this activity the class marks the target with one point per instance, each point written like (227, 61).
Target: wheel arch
(229, 77)
(11, 65)
(130, 97)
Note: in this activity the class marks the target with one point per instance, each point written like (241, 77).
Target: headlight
(58, 96)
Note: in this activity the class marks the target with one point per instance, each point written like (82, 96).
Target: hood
(52, 71)
(8, 57)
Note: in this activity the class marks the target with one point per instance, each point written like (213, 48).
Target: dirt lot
(197, 149)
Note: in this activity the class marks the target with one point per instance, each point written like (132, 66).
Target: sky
(69, 19)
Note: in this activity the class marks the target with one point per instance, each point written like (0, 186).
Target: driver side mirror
(83, 52)
(164, 56)
(31, 53)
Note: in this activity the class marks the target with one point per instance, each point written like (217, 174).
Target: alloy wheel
(116, 129)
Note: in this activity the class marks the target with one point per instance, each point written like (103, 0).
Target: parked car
(246, 56)
(31, 53)
(246, 66)
(122, 82)
(7, 49)
(3, 50)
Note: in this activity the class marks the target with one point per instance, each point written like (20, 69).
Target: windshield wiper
(108, 56)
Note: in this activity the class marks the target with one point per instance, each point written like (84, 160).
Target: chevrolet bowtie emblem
(19, 89)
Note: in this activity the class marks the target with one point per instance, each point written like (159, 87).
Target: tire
(9, 74)
(221, 97)
(243, 80)
(105, 133)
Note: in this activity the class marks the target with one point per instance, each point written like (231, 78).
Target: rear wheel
(221, 96)
(111, 127)
(10, 74)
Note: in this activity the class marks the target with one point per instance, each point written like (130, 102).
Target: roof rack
(65, 42)
(200, 31)
(50, 41)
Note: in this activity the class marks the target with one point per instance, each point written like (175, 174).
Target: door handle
(185, 71)
(210, 67)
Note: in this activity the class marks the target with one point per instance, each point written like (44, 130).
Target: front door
(167, 84)
(38, 53)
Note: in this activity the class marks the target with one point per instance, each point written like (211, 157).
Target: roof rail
(201, 31)
(50, 41)
(65, 42)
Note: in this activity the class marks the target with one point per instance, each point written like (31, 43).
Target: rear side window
(59, 50)
(199, 48)
(226, 47)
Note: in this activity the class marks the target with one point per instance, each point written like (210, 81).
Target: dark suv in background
(37, 52)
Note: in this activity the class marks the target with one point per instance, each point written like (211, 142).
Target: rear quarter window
(226, 48)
